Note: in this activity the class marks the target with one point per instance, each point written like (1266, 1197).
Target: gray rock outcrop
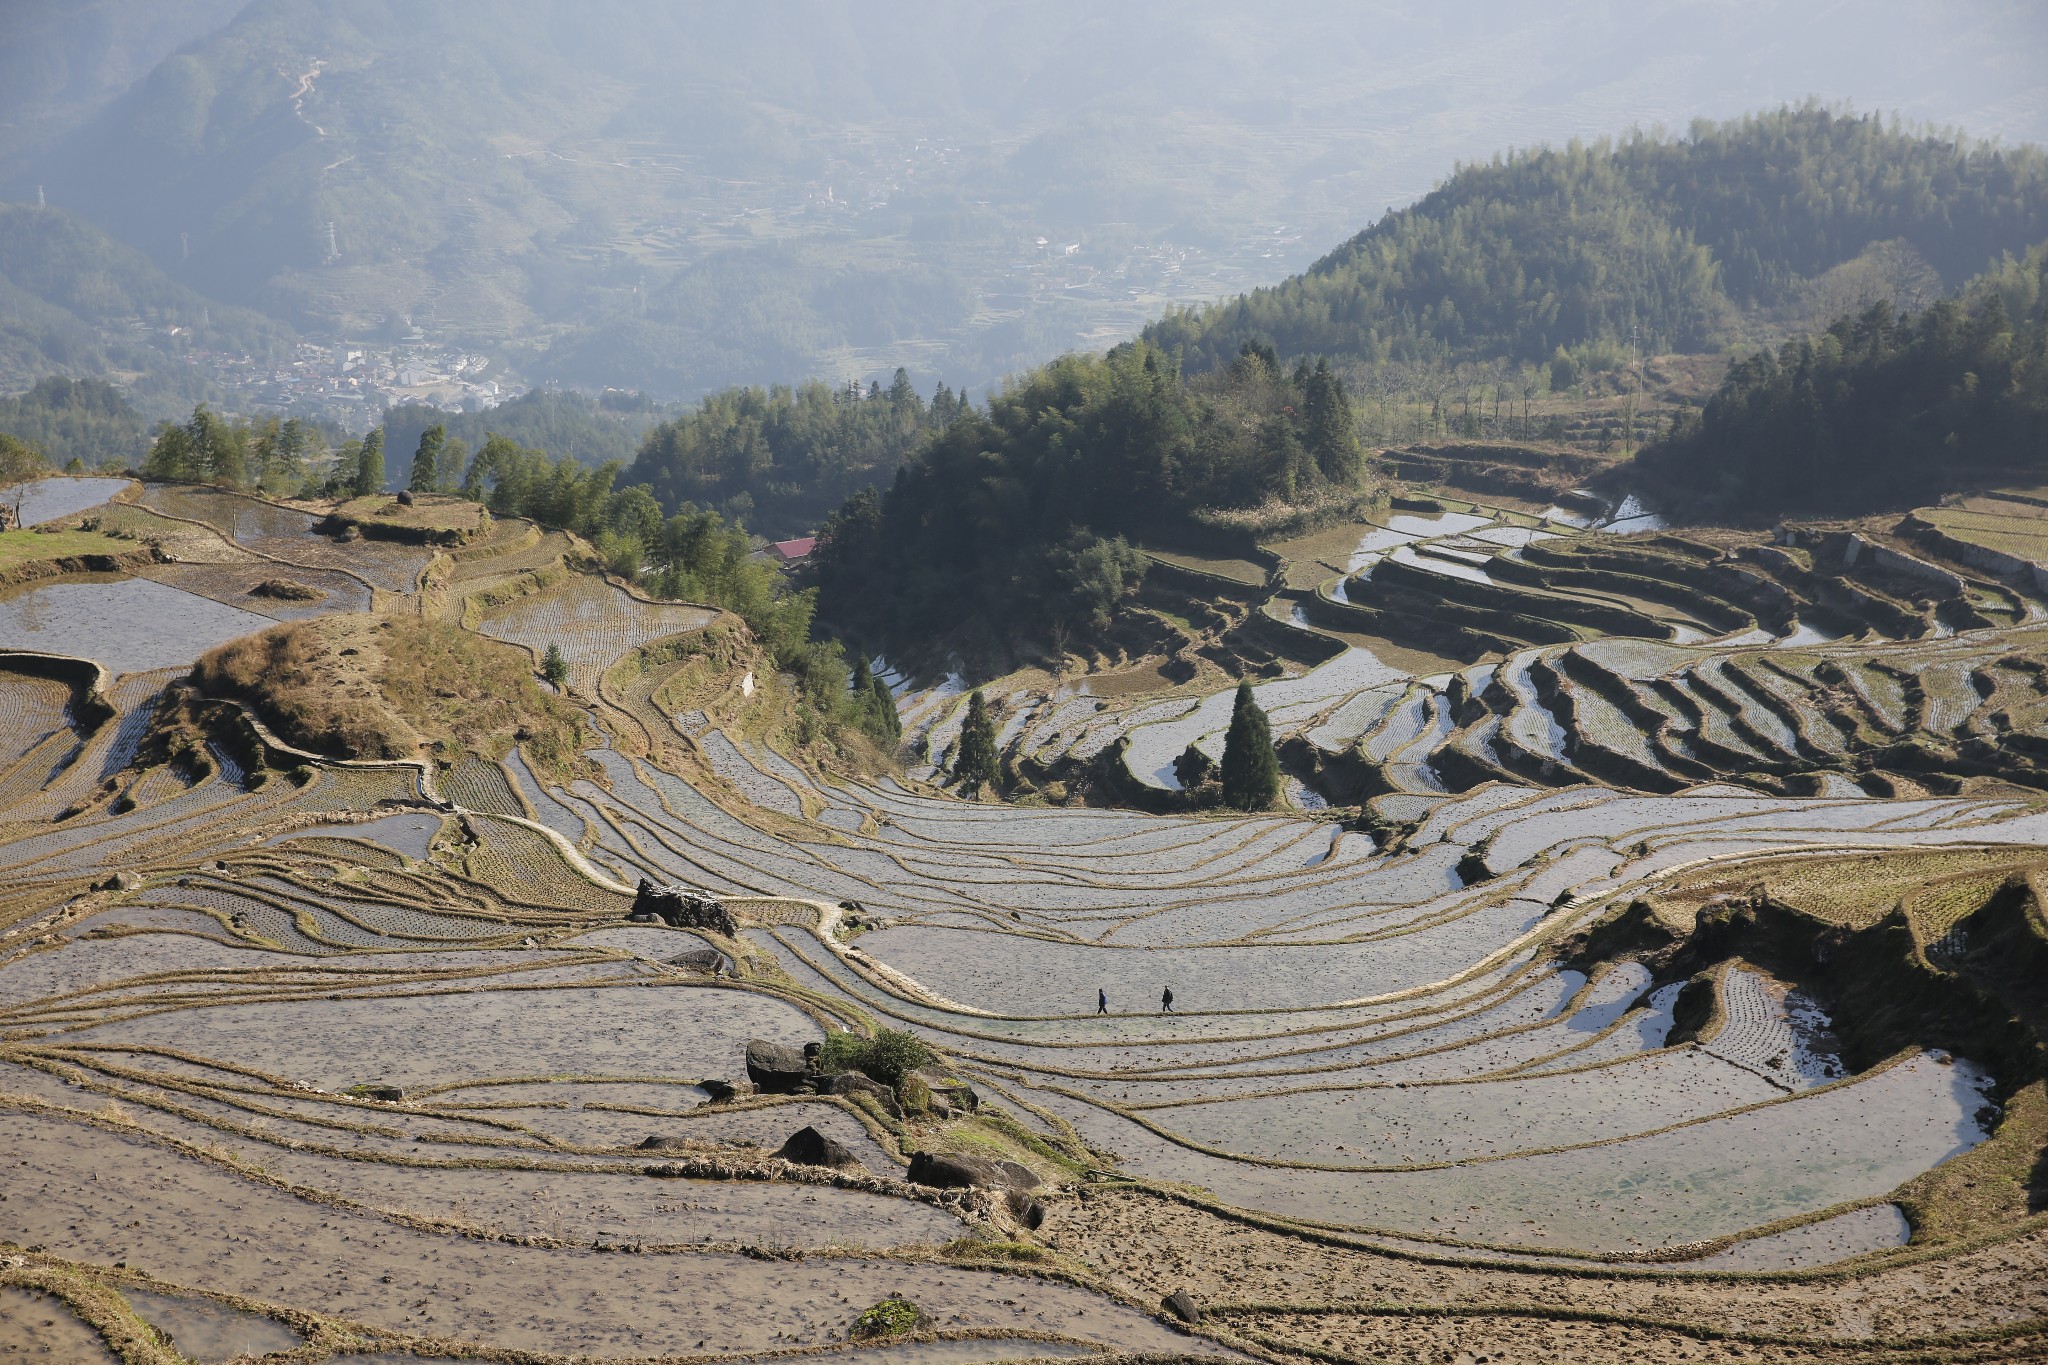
(809, 1147)
(778, 1070)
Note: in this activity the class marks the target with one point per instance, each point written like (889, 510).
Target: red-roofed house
(794, 551)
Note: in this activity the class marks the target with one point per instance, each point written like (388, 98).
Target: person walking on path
(1102, 1002)
(1166, 1001)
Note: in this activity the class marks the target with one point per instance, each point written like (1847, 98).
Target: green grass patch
(887, 1320)
(1236, 570)
(27, 547)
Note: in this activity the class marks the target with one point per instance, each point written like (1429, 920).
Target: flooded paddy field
(131, 625)
(1613, 1021)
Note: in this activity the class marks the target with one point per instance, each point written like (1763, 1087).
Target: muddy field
(313, 1061)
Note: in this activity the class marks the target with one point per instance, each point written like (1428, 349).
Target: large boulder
(778, 1070)
(944, 1172)
(707, 960)
(809, 1147)
(956, 1171)
(1029, 1213)
(1182, 1305)
(681, 908)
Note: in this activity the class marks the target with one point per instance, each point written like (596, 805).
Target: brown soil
(362, 686)
(1313, 1295)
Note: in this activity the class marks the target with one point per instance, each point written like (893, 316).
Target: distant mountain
(674, 198)
(1726, 233)
(62, 63)
(75, 302)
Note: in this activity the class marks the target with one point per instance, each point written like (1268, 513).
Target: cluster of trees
(1247, 779)
(87, 420)
(274, 454)
(691, 555)
(1680, 239)
(1017, 523)
(780, 459)
(1883, 407)
(590, 430)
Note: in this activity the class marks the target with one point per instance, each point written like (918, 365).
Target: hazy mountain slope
(61, 63)
(75, 302)
(1693, 241)
(675, 197)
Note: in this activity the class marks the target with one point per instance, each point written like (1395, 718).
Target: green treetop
(370, 465)
(19, 459)
(974, 763)
(554, 667)
(426, 461)
(1251, 769)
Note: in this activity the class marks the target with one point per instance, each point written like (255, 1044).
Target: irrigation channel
(363, 1061)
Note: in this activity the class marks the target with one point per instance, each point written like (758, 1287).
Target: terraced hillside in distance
(1646, 965)
(1438, 644)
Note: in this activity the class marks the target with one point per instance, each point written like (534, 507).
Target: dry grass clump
(287, 590)
(1935, 886)
(368, 687)
(432, 519)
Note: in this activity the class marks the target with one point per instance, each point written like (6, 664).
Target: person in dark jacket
(1102, 1002)
(1166, 1001)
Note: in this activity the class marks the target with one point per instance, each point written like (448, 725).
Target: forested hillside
(1696, 242)
(1011, 528)
(77, 419)
(780, 459)
(1882, 409)
(609, 428)
(75, 302)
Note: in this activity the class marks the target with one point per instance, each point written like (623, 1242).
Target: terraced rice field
(1549, 1030)
(1668, 661)
(594, 624)
(51, 499)
(130, 625)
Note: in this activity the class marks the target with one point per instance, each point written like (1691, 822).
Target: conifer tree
(1251, 769)
(554, 667)
(370, 464)
(885, 706)
(454, 456)
(426, 461)
(1332, 431)
(974, 762)
(171, 455)
(284, 462)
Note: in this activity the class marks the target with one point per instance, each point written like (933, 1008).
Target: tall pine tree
(974, 763)
(370, 464)
(426, 461)
(885, 707)
(1251, 769)
(1331, 433)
